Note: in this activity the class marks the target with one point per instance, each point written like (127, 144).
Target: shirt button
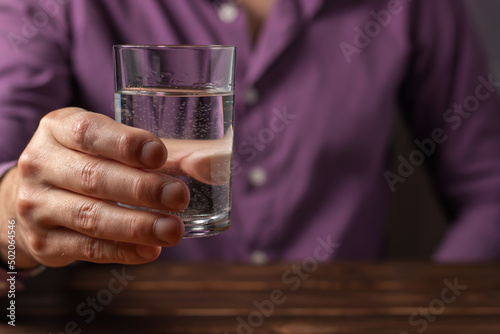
(259, 257)
(257, 176)
(252, 96)
(228, 12)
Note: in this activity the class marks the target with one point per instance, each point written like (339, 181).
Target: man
(319, 84)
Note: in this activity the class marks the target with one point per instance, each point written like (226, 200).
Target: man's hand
(64, 191)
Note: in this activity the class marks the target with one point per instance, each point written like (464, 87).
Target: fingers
(64, 246)
(101, 174)
(210, 167)
(77, 163)
(208, 161)
(110, 180)
(97, 134)
(103, 220)
(74, 227)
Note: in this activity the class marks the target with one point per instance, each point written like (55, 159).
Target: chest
(308, 100)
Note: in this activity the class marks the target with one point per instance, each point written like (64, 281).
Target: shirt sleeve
(34, 70)
(5, 166)
(34, 80)
(450, 100)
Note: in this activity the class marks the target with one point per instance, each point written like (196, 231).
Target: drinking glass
(184, 94)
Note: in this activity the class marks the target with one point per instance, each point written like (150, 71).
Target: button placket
(259, 257)
(228, 12)
(257, 176)
(252, 96)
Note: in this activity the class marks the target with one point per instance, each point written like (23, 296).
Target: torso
(307, 131)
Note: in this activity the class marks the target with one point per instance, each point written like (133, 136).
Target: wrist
(8, 189)
(11, 250)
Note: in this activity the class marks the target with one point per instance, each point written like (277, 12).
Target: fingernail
(152, 154)
(169, 230)
(175, 196)
(148, 252)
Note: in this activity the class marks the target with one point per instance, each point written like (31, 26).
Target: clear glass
(184, 94)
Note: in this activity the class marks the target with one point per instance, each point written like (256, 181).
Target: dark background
(417, 221)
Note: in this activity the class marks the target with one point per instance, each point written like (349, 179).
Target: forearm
(447, 74)
(475, 236)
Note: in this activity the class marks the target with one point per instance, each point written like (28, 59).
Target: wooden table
(278, 298)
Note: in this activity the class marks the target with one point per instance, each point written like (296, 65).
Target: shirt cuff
(13, 281)
(5, 166)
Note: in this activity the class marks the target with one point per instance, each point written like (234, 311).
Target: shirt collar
(284, 23)
(310, 8)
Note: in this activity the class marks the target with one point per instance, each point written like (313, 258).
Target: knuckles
(142, 190)
(37, 243)
(122, 255)
(87, 218)
(28, 201)
(91, 176)
(127, 146)
(92, 250)
(79, 133)
(78, 123)
(138, 227)
(25, 202)
(59, 116)
(30, 163)
(33, 162)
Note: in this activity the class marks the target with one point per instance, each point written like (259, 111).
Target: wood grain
(238, 298)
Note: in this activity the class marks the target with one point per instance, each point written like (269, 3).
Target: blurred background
(417, 220)
(485, 14)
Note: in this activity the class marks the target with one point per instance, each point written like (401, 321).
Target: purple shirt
(317, 99)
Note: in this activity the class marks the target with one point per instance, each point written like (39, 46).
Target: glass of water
(184, 94)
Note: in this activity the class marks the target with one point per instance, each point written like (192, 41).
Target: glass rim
(174, 46)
